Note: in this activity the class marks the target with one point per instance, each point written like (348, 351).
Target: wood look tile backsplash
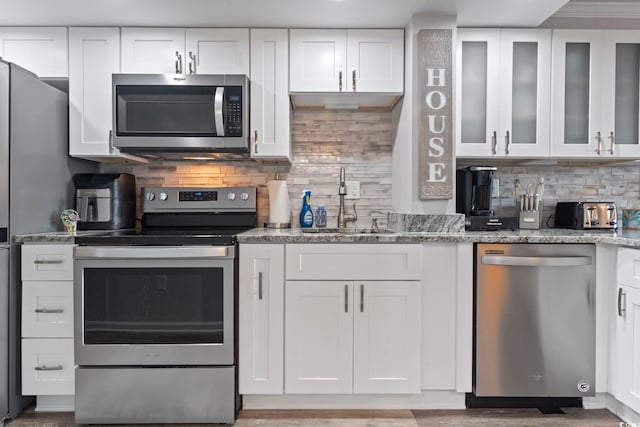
(322, 141)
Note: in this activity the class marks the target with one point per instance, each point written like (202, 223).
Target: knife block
(529, 220)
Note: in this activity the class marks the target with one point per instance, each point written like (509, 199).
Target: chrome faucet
(343, 217)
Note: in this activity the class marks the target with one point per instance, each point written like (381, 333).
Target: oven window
(153, 306)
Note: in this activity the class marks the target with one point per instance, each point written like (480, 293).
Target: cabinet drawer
(628, 270)
(47, 262)
(47, 309)
(47, 366)
(353, 262)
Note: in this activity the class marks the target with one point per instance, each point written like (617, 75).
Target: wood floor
(367, 418)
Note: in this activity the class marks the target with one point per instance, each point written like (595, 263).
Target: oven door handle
(150, 252)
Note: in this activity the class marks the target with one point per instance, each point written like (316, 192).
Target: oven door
(143, 305)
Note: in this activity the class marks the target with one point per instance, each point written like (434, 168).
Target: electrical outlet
(496, 188)
(353, 190)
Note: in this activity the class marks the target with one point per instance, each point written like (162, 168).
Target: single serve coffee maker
(474, 191)
(105, 201)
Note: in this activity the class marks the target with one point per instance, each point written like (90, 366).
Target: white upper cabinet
(375, 60)
(180, 51)
(504, 93)
(270, 113)
(217, 51)
(576, 87)
(596, 85)
(42, 50)
(621, 93)
(347, 61)
(94, 54)
(318, 60)
(153, 50)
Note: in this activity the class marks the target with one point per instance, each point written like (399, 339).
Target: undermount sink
(344, 231)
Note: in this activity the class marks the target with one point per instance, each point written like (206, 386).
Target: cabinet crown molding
(599, 9)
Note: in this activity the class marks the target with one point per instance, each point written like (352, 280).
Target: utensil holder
(529, 220)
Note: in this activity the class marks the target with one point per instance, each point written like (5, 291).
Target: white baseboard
(441, 399)
(622, 411)
(599, 401)
(63, 403)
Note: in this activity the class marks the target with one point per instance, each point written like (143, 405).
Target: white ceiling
(272, 13)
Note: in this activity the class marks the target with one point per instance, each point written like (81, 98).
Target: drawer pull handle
(260, 285)
(48, 261)
(49, 310)
(49, 368)
(621, 309)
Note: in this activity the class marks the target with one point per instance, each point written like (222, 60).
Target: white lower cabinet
(352, 337)
(48, 369)
(261, 319)
(47, 366)
(627, 347)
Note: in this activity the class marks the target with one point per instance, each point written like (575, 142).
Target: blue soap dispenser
(306, 215)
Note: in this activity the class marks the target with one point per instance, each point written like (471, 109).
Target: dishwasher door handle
(525, 261)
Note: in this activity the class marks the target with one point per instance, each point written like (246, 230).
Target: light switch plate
(353, 190)
(496, 188)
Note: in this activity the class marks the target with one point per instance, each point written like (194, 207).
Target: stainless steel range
(155, 317)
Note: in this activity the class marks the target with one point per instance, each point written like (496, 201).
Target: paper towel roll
(279, 208)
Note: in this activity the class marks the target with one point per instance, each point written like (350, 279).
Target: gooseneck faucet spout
(343, 217)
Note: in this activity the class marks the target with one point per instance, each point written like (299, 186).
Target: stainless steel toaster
(586, 215)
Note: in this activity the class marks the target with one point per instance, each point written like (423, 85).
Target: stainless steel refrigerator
(35, 186)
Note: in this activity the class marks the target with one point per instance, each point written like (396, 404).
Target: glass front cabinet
(503, 93)
(595, 93)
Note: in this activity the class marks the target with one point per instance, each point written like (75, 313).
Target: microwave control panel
(233, 124)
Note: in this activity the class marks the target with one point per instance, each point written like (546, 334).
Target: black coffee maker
(474, 191)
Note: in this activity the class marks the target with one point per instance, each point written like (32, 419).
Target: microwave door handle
(217, 111)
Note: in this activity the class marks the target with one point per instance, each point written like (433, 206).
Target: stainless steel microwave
(175, 113)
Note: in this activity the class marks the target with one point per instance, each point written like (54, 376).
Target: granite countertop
(56, 236)
(295, 235)
(626, 238)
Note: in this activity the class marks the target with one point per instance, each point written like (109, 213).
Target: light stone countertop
(295, 235)
(625, 238)
(56, 236)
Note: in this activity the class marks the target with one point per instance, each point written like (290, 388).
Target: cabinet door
(318, 61)
(270, 115)
(375, 61)
(40, 50)
(477, 114)
(386, 351)
(153, 50)
(621, 99)
(94, 54)
(261, 308)
(525, 91)
(318, 337)
(217, 51)
(627, 388)
(576, 88)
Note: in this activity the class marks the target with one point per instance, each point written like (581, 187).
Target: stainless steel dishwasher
(535, 320)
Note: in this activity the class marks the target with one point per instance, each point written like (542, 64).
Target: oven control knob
(244, 196)
(231, 196)
(150, 196)
(163, 196)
